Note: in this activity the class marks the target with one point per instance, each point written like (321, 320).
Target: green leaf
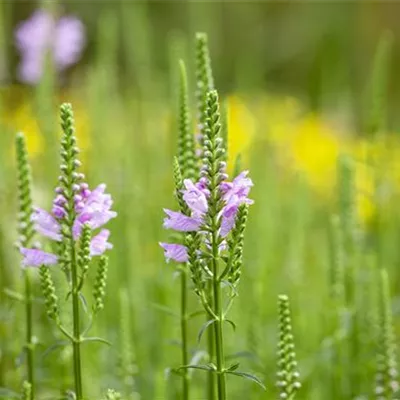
(96, 339)
(84, 302)
(233, 367)
(203, 329)
(208, 367)
(231, 323)
(248, 376)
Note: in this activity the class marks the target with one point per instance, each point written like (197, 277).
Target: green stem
(218, 335)
(184, 323)
(29, 335)
(76, 344)
(211, 355)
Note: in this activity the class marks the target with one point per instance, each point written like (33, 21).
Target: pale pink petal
(227, 224)
(37, 258)
(195, 198)
(96, 210)
(46, 224)
(99, 243)
(180, 222)
(176, 252)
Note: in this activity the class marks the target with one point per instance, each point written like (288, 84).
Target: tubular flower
(176, 252)
(36, 257)
(42, 33)
(196, 195)
(92, 208)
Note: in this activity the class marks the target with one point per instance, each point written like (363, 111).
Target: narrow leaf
(96, 339)
(209, 367)
(84, 302)
(231, 323)
(233, 367)
(203, 329)
(248, 376)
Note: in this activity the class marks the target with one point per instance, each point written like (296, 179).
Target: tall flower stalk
(213, 171)
(204, 83)
(76, 213)
(213, 214)
(68, 181)
(26, 232)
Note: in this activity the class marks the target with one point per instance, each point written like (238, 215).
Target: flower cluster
(64, 38)
(93, 208)
(196, 197)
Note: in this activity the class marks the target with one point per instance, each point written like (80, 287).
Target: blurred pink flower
(64, 38)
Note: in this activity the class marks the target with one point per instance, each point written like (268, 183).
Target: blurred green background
(301, 82)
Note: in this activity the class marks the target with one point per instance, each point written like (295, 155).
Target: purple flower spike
(46, 224)
(196, 196)
(92, 207)
(176, 252)
(180, 222)
(37, 258)
(41, 33)
(99, 243)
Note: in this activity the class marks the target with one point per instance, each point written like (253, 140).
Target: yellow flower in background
(241, 129)
(18, 115)
(377, 174)
(315, 148)
(22, 119)
(311, 146)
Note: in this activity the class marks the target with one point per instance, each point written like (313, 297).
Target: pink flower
(37, 258)
(239, 187)
(41, 33)
(99, 243)
(235, 194)
(176, 252)
(92, 207)
(195, 198)
(196, 195)
(180, 222)
(46, 224)
(95, 209)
